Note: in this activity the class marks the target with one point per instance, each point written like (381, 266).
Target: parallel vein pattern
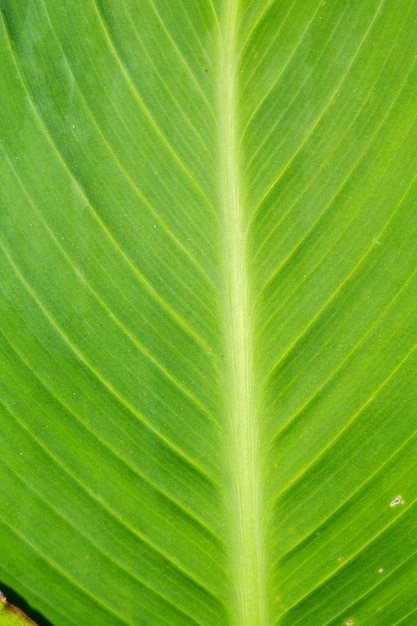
(208, 287)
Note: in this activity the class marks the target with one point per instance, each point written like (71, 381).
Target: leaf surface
(208, 338)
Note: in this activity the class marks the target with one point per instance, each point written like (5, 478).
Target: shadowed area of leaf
(14, 605)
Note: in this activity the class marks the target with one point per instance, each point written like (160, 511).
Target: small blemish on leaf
(380, 571)
(396, 501)
(349, 622)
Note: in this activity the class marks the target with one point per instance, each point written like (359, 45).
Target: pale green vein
(145, 109)
(290, 364)
(205, 52)
(183, 60)
(258, 20)
(178, 319)
(344, 181)
(132, 184)
(313, 589)
(169, 559)
(114, 559)
(180, 107)
(306, 469)
(248, 567)
(138, 345)
(275, 150)
(406, 618)
(60, 571)
(352, 419)
(106, 384)
(354, 495)
(114, 456)
(381, 581)
(339, 367)
(137, 192)
(412, 614)
(215, 15)
(279, 76)
(324, 110)
(343, 283)
(45, 599)
(330, 338)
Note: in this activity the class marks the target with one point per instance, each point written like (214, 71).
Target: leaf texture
(208, 337)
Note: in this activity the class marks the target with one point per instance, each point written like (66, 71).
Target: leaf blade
(217, 246)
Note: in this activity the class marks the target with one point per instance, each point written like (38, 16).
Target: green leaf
(208, 311)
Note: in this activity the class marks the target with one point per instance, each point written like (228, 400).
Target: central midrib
(249, 602)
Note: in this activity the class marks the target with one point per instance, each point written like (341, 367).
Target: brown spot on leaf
(6, 606)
